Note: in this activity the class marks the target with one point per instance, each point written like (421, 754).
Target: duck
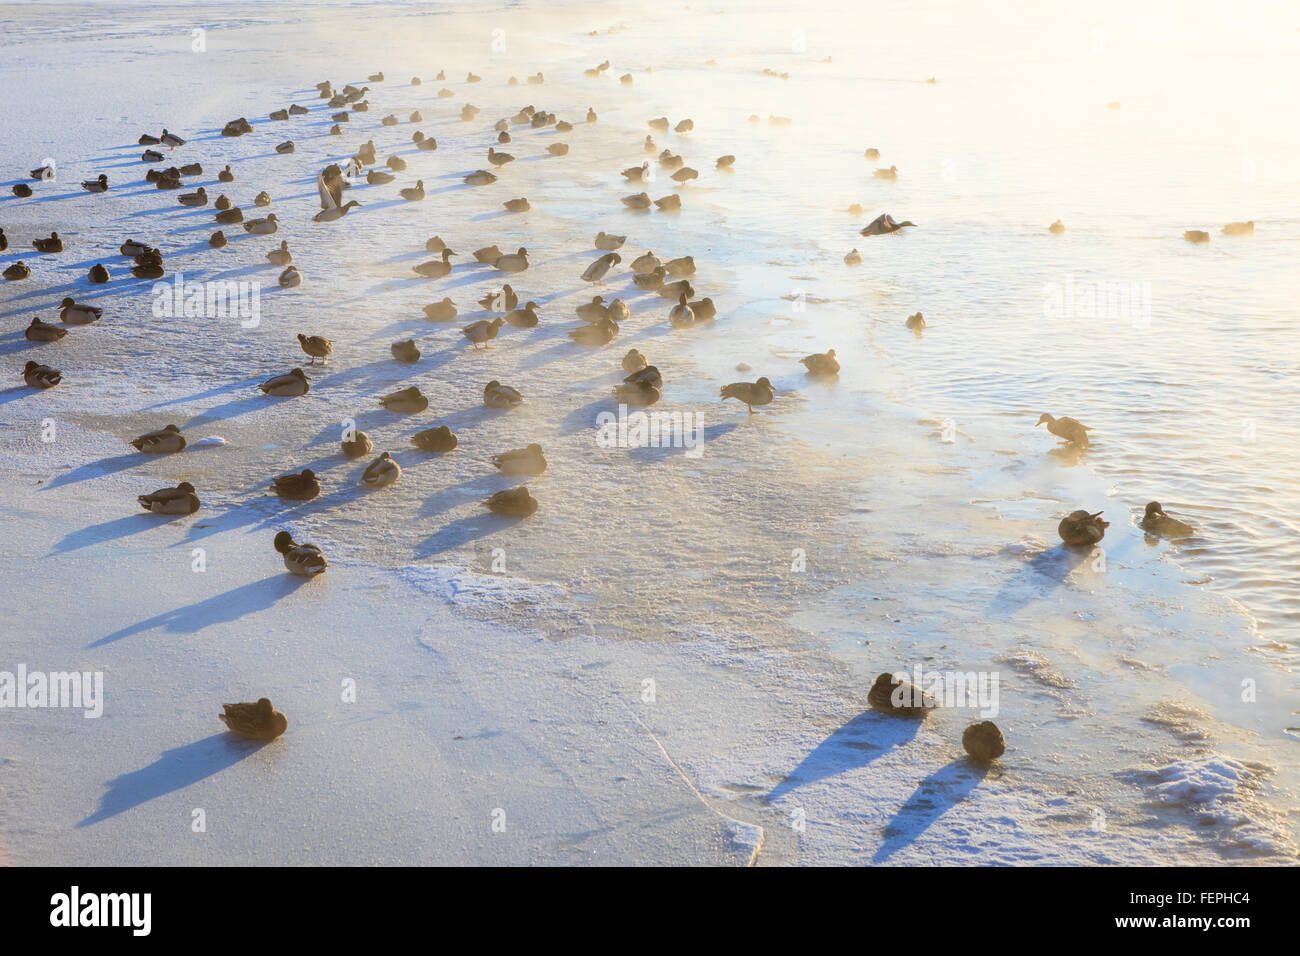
(504, 300)
(488, 254)
(278, 115)
(1056, 228)
(389, 120)
(414, 193)
(281, 256)
(521, 461)
(226, 176)
(684, 126)
(516, 205)
(289, 385)
(290, 278)
(884, 224)
(147, 139)
(598, 269)
(822, 363)
(170, 140)
(217, 240)
(316, 346)
(417, 117)
(659, 125)
(70, 313)
(228, 216)
(683, 266)
(1081, 529)
(725, 162)
(496, 395)
(304, 560)
(558, 149)
(259, 721)
(22, 191)
(669, 203)
(1196, 235)
(751, 393)
(4, 241)
(604, 241)
(405, 401)
(396, 164)
(514, 503)
(704, 309)
(482, 331)
(1156, 521)
(871, 153)
(600, 332)
(685, 173)
(223, 203)
(337, 212)
(651, 281)
(52, 245)
(646, 263)
(40, 331)
(237, 127)
(891, 173)
(297, 486)
(674, 290)
(41, 376)
(406, 351)
(646, 376)
(618, 311)
(98, 274)
(915, 322)
(681, 315)
(468, 112)
(131, 248)
(591, 115)
(381, 472)
(434, 244)
(359, 444)
(498, 159)
(853, 258)
(97, 185)
(429, 144)
(443, 311)
(637, 173)
(634, 362)
(1239, 228)
(626, 79)
(165, 441)
(439, 439)
(197, 198)
(435, 268)
(593, 311)
(480, 177)
(524, 317)
(637, 393)
(151, 156)
(17, 272)
(639, 201)
(296, 110)
(180, 500)
(669, 160)
(1072, 431)
(513, 262)
(262, 199)
(899, 698)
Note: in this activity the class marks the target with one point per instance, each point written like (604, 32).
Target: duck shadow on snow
(175, 770)
(1036, 578)
(855, 744)
(464, 530)
(936, 794)
(112, 530)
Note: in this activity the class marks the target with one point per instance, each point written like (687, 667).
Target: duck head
(1154, 510)
(1044, 418)
(283, 544)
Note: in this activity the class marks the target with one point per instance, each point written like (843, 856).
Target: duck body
(297, 486)
(180, 500)
(513, 262)
(289, 385)
(634, 362)
(514, 503)
(1081, 529)
(70, 313)
(40, 331)
(609, 243)
(443, 311)
(258, 721)
(165, 441)
(521, 461)
(523, 318)
(337, 212)
(1239, 228)
(1071, 430)
(262, 227)
(438, 439)
(405, 401)
(1155, 521)
(823, 363)
(304, 560)
(281, 256)
(598, 269)
(435, 268)
(496, 395)
(405, 351)
(899, 698)
(600, 332)
(381, 472)
(41, 376)
(482, 331)
(359, 444)
(751, 393)
(883, 225)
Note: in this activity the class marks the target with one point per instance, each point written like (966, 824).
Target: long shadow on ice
(463, 531)
(175, 770)
(864, 738)
(936, 794)
(110, 531)
(1036, 579)
(97, 469)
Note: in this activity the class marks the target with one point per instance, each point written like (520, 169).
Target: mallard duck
(439, 438)
(1239, 228)
(262, 227)
(296, 110)
(626, 79)
(646, 376)
(98, 274)
(1157, 522)
(883, 225)
(337, 212)
(131, 248)
(278, 115)
(600, 332)
(97, 185)
(669, 203)
(1196, 235)
(197, 198)
(170, 140)
(503, 301)
(443, 311)
(669, 160)
(524, 317)
(482, 331)
(558, 149)
(405, 401)
(1081, 529)
(1056, 228)
(41, 376)
(414, 193)
(646, 263)
(434, 244)
(297, 486)
(147, 139)
(684, 266)
(305, 560)
(359, 444)
(381, 472)
(4, 241)
(899, 698)
(496, 395)
(261, 721)
(915, 322)
(675, 290)
(593, 311)
(618, 311)
(983, 741)
(148, 265)
(597, 270)
(637, 173)
(498, 159)
(516, 205)
(639, 201)
(281, 256)
(659, 125)
(165, 441)
(22, 191)
(180, 500)
(1069, 429)
(637, 393)
(228, 216)
(872, 153)
(317, 346)
(488, 254)
(73, 314)
(435, 268)
(480, 177)
(226, 176)
(652, 280)
(397, 165)
(19, 271)
(634, 362)
(685, 174)
(406, 351)
(514, 503)
(40, 331)
(376, 77)
(217, 240)
(236, 128)
(822, 363)
(289, 385)
(891, 173)
(389, 120)
(223, 203)
(151, 156)
(725, 162)
(290, 278)
(262, 199)
(521, 461)
(681, 315)
(853, 258)
(429, 144)
(609, 243)
(751, 393)
(513, 262)
(468, 112)
(684, 126)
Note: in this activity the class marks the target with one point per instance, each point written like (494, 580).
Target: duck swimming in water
(1067, 428)
(1156, 521)
(883, 225)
